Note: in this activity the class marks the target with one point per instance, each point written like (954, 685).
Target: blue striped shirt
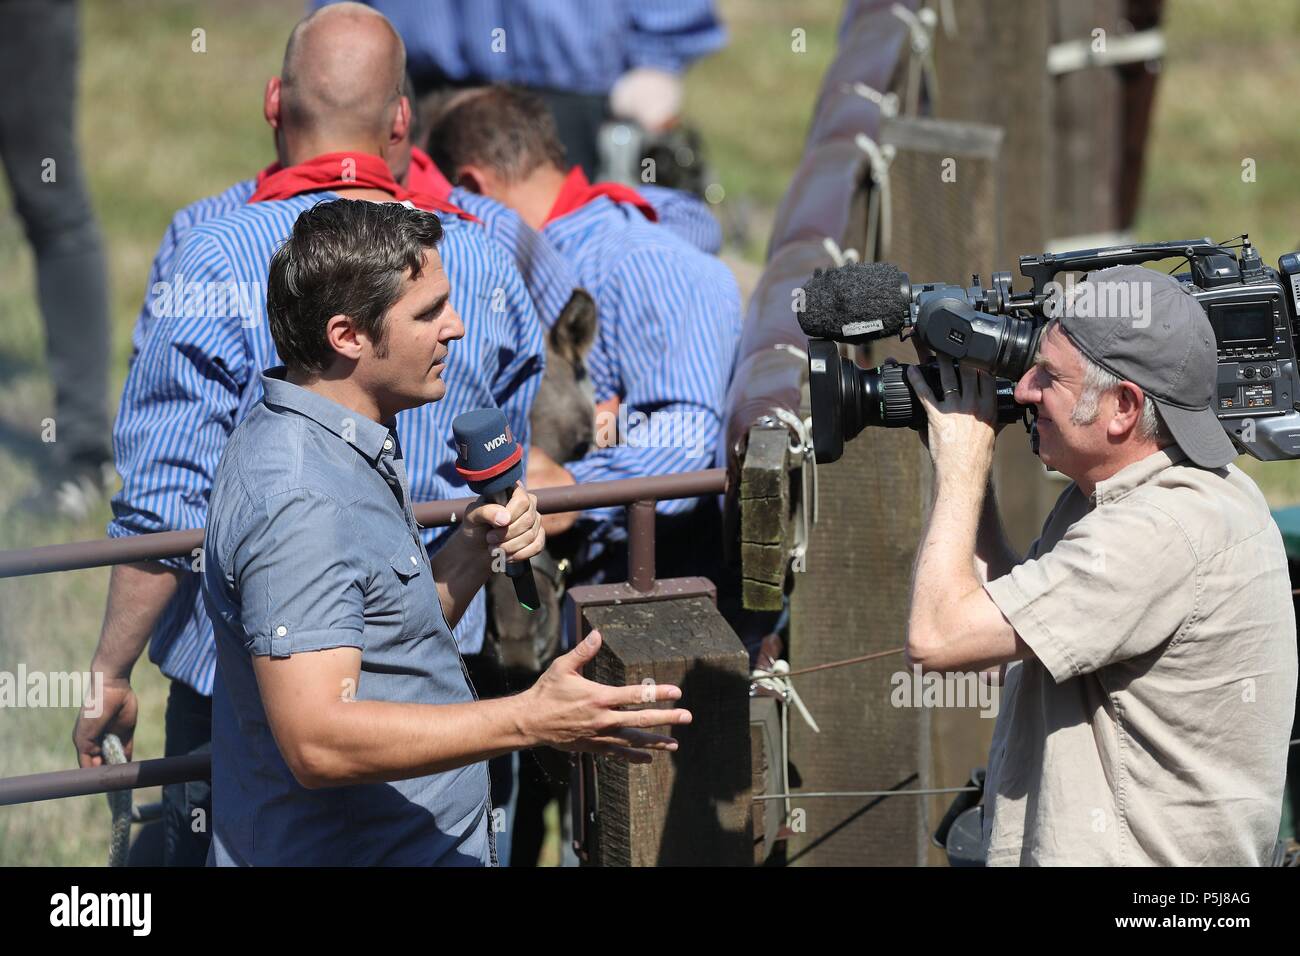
(582, 46)
(198, 374)
(685, 214)
(549, 279)
(666, 344)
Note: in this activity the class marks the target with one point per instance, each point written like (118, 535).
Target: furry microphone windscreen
(855, 303)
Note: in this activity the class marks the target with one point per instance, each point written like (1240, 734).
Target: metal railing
(639, 495)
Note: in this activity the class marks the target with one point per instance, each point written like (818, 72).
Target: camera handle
(1041, 269)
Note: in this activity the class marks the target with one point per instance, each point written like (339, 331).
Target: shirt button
(281, 631)
(413, 561)
(388, 444)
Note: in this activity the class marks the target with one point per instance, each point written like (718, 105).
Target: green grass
(161, 125)
(1220, 101)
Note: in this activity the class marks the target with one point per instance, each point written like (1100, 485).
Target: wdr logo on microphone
(72, 909)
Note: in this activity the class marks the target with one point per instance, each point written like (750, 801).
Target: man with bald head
(339, 115)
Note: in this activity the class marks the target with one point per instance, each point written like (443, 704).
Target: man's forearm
(994, 556)
(137, 596)
(945, 562)
(369, 741)
(460, 569)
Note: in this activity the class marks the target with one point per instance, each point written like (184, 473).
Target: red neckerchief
(325, 172)
(423, 176)
(577, 192)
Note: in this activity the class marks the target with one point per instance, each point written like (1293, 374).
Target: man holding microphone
(345, 729)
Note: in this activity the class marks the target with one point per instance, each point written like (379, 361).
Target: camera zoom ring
(895, 398)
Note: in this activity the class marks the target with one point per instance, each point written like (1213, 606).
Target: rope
(880, 205)
(887, 102)
(119, 803)
(867, 793)
(825, 667)
(921, 67)
(841, 257)
(801, 446)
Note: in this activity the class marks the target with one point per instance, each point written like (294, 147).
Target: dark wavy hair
(344, 257)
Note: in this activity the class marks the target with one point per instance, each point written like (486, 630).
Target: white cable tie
(801, 429)
(917, 25)
(921, 27)
(833, 250)
(775, 679)
(888, 102)
(793, 350)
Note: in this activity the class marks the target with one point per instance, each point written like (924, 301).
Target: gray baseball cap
(1146, 328)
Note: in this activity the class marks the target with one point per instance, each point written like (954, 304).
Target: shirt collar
(363, 433)
(1135, 474)
(576, 192)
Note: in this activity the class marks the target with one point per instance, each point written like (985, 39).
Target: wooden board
(692, 807)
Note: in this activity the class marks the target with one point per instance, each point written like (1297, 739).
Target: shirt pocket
(415, 593)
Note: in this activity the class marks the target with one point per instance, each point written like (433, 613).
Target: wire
(824, 667)
(866, 793)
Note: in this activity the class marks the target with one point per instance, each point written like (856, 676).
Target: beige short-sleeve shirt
(1151, 726)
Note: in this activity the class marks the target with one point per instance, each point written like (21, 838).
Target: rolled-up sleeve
(1120, 583)
(301, 583)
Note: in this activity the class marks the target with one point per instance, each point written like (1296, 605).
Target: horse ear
(575, 328)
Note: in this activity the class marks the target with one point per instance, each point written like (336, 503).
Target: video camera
(1252, 308)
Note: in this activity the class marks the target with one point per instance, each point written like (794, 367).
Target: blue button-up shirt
(549, 278)
(311, 544)
(198, 374)
(578, 45)
(666, 344)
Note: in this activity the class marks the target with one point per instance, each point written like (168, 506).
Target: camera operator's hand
(924, 356)
(960, 422)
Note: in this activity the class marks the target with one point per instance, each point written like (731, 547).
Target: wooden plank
(765, 514)
(691, 807)
(1086, 127)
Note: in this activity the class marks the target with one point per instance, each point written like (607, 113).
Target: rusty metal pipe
(172, 544)
(121, 776)
(641, 545)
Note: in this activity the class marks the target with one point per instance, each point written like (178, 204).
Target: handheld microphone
(856, 303)
(491, 461)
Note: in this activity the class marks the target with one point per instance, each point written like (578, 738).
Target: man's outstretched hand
(568, 712)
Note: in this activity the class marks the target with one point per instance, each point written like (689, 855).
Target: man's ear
(343, 337)
(1128, 410)
(475, 179)
(271, 103)
(401, 122)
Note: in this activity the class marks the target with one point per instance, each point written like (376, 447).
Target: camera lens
(846, 399)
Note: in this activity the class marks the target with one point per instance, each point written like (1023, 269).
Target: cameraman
(1148, 638)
